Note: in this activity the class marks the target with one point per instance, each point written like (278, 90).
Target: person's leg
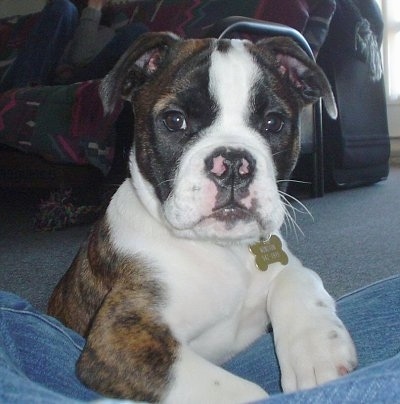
(373, 384)
(123, 39)
(37, 356)
(372, 316)
(36, 61)
(110, 54)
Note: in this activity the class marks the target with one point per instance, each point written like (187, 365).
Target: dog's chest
(216, 299)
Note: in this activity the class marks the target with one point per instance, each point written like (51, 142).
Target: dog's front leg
(312, 344)
(198, 381)
(131, 353)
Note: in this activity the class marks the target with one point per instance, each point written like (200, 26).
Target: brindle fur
(112, 301)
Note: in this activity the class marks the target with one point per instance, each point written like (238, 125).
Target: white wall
(394, 119)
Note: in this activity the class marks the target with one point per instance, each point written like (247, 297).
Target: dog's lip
(231, 212)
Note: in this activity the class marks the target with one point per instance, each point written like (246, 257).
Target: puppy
(187, 267)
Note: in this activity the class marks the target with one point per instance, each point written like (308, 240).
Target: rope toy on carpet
(59, 212)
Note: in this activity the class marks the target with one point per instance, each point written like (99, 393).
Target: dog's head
(216, 129)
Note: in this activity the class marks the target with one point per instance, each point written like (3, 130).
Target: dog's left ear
(303, 73)
(140, 62)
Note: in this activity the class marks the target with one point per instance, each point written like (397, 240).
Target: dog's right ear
(142, 59)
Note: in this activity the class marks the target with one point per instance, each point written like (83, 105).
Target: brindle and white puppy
(165, 288)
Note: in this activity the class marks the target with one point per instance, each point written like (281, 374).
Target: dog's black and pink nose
(231, 168)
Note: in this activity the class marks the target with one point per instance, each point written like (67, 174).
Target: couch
(47, 132)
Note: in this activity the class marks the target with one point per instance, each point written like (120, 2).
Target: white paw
(197, 381)
(240, 392)
(321, 351)
(220, 390)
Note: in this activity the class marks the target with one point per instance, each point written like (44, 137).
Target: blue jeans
(38, 355)
(110, 54)
(36, 61)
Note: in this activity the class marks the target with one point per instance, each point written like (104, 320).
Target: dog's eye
(274, 123)
(175, 121)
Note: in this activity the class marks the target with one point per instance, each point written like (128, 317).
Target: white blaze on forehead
(232, 75)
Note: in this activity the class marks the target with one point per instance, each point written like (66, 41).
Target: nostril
(244, 168)
(218, 166)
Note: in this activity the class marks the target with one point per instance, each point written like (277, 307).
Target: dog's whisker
(295, 181)
(292, 221)
(291, 212)
(164, 182)
(303, 209)
(279, 152)
(289, 222)
(296, 228)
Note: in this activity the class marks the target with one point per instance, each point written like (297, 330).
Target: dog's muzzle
(225, 192)
(232, 171)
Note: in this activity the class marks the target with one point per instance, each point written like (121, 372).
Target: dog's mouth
(227, 221)
(231, 213)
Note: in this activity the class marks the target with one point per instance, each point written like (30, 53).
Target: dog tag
(267, 252)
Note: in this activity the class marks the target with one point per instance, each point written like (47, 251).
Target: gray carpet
(352, 240)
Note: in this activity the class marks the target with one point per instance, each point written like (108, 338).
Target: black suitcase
(357, 144)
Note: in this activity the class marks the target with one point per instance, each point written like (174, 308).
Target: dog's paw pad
(343, 371)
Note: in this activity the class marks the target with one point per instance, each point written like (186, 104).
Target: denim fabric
(38, 355)
(110, 54)
(37, 60)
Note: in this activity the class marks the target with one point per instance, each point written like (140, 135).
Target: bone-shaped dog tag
(267, 252)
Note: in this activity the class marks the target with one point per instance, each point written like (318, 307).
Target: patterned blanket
(63, 124)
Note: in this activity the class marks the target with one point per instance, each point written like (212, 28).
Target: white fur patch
(232, 75)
